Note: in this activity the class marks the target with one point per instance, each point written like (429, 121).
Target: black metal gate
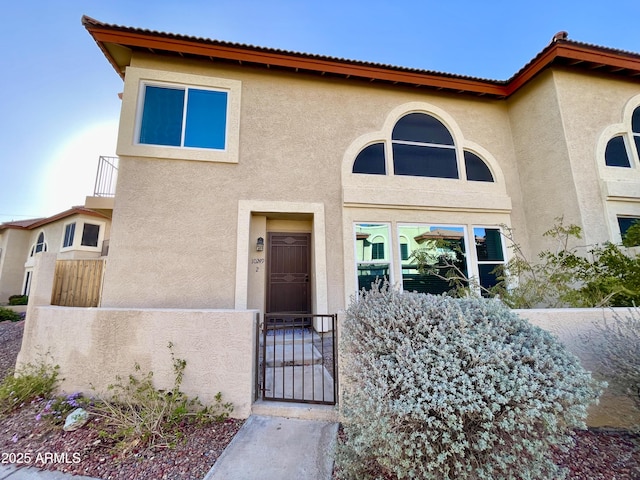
(297, 358)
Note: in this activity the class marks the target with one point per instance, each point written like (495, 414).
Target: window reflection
(372, 254)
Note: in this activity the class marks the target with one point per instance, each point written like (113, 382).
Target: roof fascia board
(289, 61)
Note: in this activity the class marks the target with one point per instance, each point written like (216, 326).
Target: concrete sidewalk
(266, 447)
(277, 448)
(11, 472)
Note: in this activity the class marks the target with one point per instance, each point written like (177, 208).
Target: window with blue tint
(69, 232)
(162, 116)
(477, 170)
(616, 154)
(421, 128)
(371, 160)
(424, 161)
(184, 117)
(206, 122)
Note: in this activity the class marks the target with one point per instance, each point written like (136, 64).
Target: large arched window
(421, 146)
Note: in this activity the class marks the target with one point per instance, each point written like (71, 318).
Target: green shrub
(142, 414)
(27, 383)
(18, 300)
(444, 388)
(6, 314)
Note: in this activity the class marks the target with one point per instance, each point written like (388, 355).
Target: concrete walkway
(277, 448)
(11, 472)
(266, 447)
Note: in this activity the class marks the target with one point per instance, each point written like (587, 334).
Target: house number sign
(257, 262)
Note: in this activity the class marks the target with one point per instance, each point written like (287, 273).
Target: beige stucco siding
(588, 106)
(546, 177)
(14, 245)
(176, 220)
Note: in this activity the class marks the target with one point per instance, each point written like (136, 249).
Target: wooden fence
(77, 283)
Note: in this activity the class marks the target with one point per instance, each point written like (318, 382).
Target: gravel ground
(25, 440)
(598, 455)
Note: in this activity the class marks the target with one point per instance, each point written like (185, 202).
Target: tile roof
(116, 40)
(30, 224)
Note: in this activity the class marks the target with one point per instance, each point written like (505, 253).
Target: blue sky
(59, 95)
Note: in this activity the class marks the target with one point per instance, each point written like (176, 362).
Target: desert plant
(617, 348)
(6, 314)
(444, 388)
(143, 414)
(33, 380)
(568, 275)
(18, 300)
(57, 408)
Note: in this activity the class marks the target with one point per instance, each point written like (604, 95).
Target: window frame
(137, 79)
(399, 235)
(76, 244)
(186, 89)
(65, 235)
(388, 251)
(503, 247)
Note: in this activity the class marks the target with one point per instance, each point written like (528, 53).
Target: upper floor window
(40, 245)
(83, 235)
(421, 146)
(617, 152)
(183, 117)
(69, 233)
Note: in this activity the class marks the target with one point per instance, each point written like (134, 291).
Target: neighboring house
(255, 181)
(77, 233)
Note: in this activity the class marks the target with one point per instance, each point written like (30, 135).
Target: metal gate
(297, 358)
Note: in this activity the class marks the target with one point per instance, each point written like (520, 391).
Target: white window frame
(64, 247)
(77, 236)
(133, 102)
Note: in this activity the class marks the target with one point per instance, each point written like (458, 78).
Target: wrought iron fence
(297, 362)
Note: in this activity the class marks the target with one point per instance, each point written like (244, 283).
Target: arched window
(40, 245)
(635, 128)
(423, 147)
(616, 154)
(477, 170)
(371, 160)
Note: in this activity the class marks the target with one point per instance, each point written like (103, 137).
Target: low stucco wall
(576, 329)
(93, 345)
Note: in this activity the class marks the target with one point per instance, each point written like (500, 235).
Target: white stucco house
(255, 181)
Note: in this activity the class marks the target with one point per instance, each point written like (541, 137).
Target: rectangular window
(490, 252)
(90, 234)
(437, 254)
(372, 260)
(184, 117)
(624, 223)
(69, 232)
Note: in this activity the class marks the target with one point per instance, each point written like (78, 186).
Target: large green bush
(443, 388)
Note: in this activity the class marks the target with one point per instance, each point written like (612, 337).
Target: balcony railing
(106, 177)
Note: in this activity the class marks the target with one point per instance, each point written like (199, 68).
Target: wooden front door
(288, 273)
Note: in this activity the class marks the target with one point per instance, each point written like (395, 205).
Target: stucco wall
(576, 329)
(15, 250)
(176, 220)
(92, 346)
